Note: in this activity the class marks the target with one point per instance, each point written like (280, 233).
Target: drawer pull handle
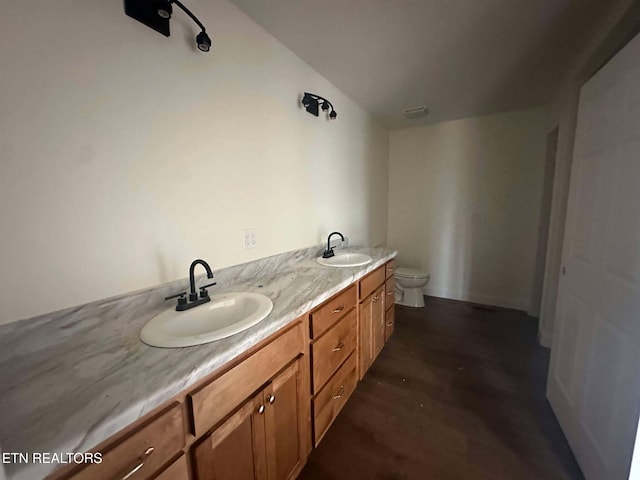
(339, 393)
(390, 324)
(389, 293)
(135, 469)
(271, 398)
(338, 310)
(260, 409)
(338, 347)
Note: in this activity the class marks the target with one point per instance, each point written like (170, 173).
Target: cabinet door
(365, 347)
(285, 423)
(178, 470)
(378, 320)
(389, 293)
(390, 323)
(236, 450)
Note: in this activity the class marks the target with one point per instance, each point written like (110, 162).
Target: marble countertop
(71, 379)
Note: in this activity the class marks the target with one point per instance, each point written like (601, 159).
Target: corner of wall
(545, 338)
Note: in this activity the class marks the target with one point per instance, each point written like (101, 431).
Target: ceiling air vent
(415, 112)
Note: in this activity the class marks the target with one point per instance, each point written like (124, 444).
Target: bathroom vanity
(250, 406)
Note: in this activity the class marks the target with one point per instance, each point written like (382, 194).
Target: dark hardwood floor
(457, 393)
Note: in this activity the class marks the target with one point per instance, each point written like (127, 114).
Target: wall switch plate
(249, 238)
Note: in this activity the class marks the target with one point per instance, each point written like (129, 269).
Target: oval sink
(345, 260)
(225, 315)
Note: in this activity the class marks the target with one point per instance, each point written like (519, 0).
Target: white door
(594, 376)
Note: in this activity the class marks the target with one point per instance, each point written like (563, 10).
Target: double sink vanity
(251, 405)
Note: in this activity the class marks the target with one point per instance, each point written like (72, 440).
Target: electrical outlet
(249, 238)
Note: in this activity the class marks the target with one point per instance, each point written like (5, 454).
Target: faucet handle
(203, 289)
(182, 300)
(181, 294)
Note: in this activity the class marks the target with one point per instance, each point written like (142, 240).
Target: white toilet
(409, 283)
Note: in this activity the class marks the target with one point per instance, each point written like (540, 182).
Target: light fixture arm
(188, 12)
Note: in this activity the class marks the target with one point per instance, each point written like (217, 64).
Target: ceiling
(460, 58)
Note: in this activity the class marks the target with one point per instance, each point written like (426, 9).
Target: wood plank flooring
(457, 393)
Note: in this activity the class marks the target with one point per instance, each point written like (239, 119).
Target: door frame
(622, 26)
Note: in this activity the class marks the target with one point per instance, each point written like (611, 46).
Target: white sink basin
(225, 315)
(345, 260)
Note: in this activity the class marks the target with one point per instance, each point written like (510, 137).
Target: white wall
(125, 155)
(464, 200)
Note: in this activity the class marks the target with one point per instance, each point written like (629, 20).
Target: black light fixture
(164, 8)
(312, 103)
(157, 13)
(203, 41)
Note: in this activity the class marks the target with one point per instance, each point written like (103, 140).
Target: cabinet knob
(271, 398)
(339, 393)
(338, 347)
(390, 324)
(140, 464)
(338, 309)
(261, 409)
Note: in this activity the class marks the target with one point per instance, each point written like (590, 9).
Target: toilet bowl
(409, 283)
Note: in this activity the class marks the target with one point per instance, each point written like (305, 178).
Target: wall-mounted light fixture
(157, 13)
(313, 103)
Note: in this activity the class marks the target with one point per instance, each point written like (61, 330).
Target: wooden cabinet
(389, 305)
(389, 293)
(236, 450)
(378, 320)
(286, 423)
(371, 282)
(141, 454)
(375, 314)
(333, 335)
(325, 316)
(365, 336)
(330, 351)
(372, 326)
(389, 268)
(333, 396)
(390, 322)
(215, 400)
(264, 439)
(178, 470)
(257, 416)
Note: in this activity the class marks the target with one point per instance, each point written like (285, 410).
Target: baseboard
(514, 303)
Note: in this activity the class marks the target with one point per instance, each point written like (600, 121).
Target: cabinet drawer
(390, 267)
(389, 293)
(323, 317)
(390, 323)
(328, 403)
(372, 281)
(332, 349)
(147, 450)
(217, 399)
(177, 471)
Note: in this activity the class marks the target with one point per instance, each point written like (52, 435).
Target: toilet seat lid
(405, 272)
